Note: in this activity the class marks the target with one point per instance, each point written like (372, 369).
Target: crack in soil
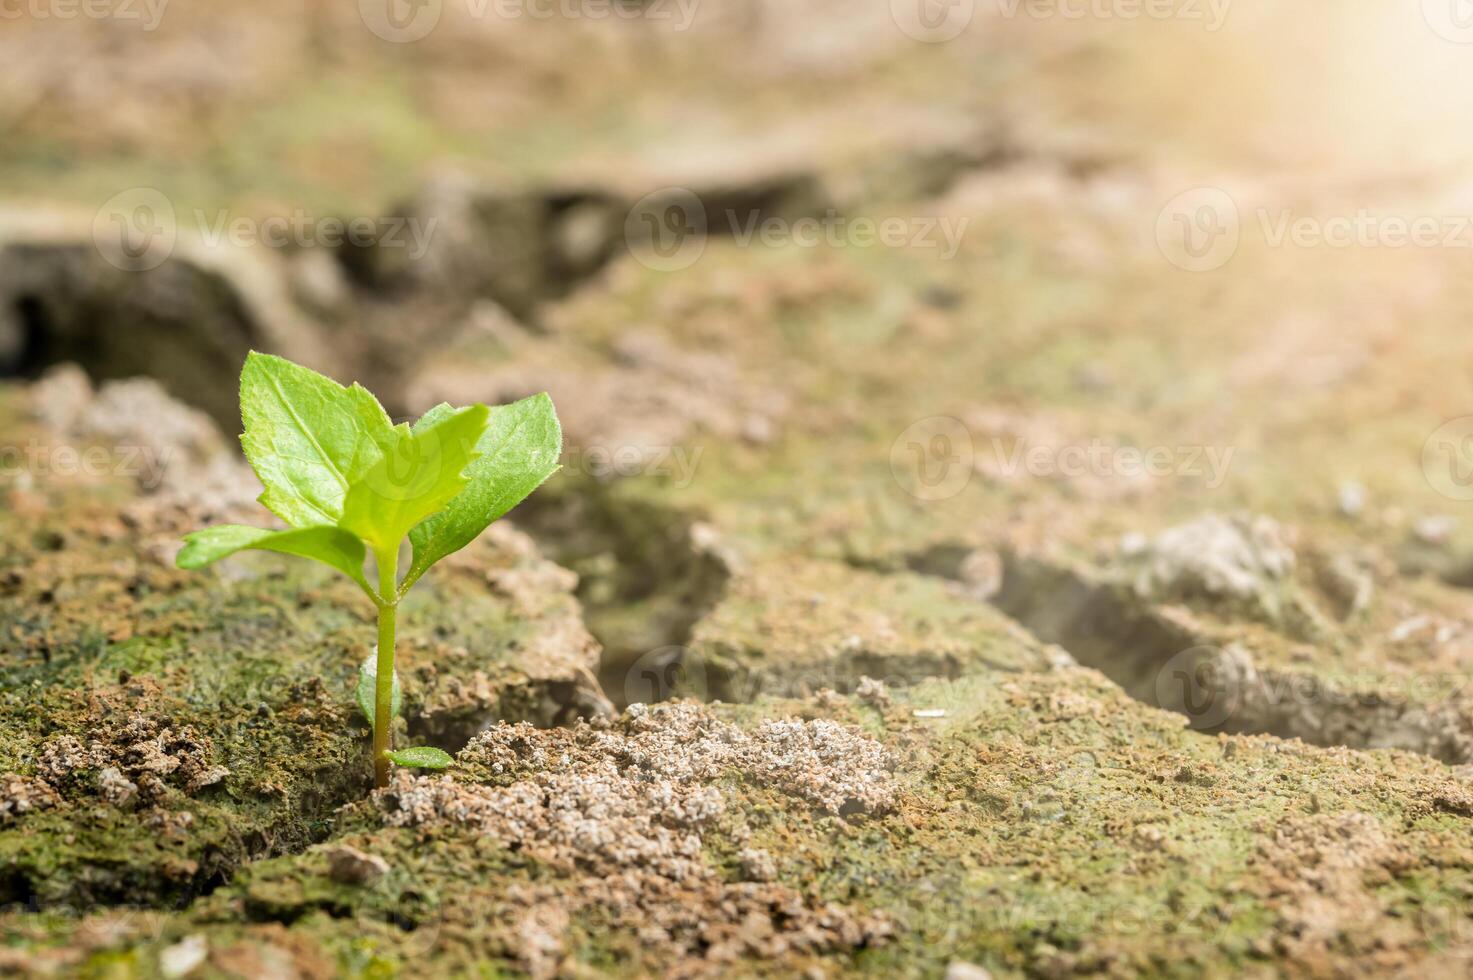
(647, 574)
(1160, 655)
(1164, 656)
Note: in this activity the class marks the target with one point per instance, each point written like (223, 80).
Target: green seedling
(350, 484)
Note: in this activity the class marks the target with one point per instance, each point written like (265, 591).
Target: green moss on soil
(793, 627)
(167, 727)
(1045, 824)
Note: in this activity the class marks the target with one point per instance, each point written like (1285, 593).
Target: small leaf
(329, 545)
(518, 451)
(422, 757)
(368, 694)
(308, 438)
(417, 478)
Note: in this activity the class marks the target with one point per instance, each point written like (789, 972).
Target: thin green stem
(383, 702)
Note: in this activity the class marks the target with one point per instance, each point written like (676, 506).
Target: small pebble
(957, 970)
(873, 693)
(1434, 530)
(350, 866)
(1133, 544)
(758, 865)
(183, 957)
(1352, 499)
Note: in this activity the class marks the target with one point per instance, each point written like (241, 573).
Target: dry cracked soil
(1017, 598)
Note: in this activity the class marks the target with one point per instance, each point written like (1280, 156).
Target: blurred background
(784, 233)
(911, 349)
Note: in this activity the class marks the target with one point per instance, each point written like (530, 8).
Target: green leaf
(368, 695)
(518, 451)
(420, 475)
(308, 438)
(329, 545)
(422, 757)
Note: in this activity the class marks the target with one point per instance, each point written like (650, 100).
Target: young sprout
(350, 483)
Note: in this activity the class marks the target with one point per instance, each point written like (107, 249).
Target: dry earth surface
(1013, 603)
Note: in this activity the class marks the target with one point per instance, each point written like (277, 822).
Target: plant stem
(383, 701)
